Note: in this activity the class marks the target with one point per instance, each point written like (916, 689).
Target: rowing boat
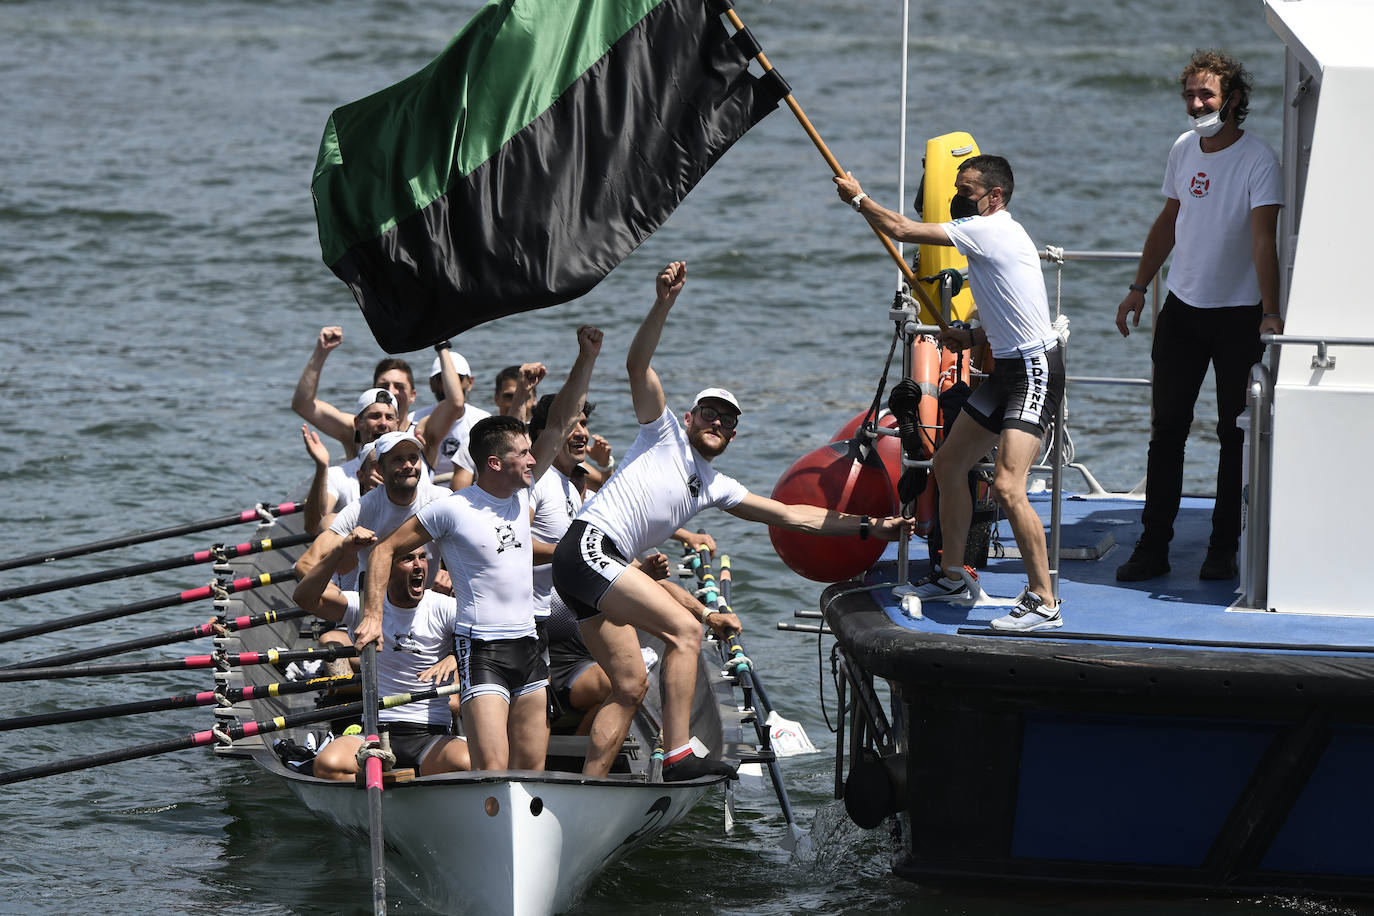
(501, 842)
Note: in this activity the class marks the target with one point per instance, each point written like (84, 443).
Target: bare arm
(1158, 244)
(325, 416)
(461, 478)
(567, 406)
(319, 502)
(890, 222)
(526, 391)
(1264, 222)
(433, 428)
(315, 592)
(815, 519)
(400, 542)
(646, 392)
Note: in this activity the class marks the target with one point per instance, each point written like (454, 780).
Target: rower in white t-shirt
(664, 479)
(483, 534)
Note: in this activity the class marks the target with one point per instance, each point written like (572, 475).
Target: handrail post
(1259, 397)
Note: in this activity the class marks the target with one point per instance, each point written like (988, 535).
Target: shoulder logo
(1199, 185)
(694, 485)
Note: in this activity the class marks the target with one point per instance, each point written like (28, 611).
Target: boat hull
(1050, 759)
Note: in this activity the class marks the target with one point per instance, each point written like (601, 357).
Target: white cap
(387, 441)
(719, 394)
(460, 365)
(376, 396)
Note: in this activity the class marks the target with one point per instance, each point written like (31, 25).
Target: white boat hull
(522, 846)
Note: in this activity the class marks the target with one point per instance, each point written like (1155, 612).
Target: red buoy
(837, 477)
(889, 447)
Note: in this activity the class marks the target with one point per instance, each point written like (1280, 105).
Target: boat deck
(1097, 535)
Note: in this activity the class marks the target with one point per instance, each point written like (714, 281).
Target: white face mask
(1209, 124)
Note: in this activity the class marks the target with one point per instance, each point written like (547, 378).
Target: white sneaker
(941, 587)
(1029, 614)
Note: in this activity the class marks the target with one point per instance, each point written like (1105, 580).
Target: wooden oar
(184, 701)
(183, 634)
(908, 274)
(207, 738)
(230, 659)
(741, 666)
(210, 554)
(126, 610)
(257, 513)
(372, 774)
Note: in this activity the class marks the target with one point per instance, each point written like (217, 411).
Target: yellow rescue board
(944, 154)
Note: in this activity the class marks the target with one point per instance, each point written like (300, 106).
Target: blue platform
(1174, 607)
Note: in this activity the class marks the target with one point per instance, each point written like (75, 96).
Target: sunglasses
(711, 415)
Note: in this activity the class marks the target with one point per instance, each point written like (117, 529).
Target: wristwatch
(864, 524)
(1136, 288)
(857, 201)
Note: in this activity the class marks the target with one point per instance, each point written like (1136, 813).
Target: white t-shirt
(378, 514)
(453, 450)
(1212, 265)
(485, 543)
(656, 489)
(415, 638)
(555, 501)
(341, 480)
(1006, 281)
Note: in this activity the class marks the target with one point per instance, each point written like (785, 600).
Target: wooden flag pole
(915, 285)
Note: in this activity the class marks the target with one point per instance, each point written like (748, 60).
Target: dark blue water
(161, 287)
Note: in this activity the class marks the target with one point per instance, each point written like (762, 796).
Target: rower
(483, 534)
(390, 374)
(452, 452)
(664, 480)
(421, 625)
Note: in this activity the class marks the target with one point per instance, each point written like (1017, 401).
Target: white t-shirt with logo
(415, 639)
(485, 543)
(378, 514)
(453, 449)
(1005, 278)
(555, 501)
(656, 489)
(1213, 265)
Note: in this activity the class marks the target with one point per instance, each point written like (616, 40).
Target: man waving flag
(540, 148)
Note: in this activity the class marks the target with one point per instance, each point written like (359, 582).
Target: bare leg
(616, 649)
(589, 690)
(529, 731)
(484, 723)
(448, 756)
(339, 759)
(968, 442)
(1014, 458)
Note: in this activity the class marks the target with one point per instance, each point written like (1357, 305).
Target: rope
(221, 736)
(375, 749)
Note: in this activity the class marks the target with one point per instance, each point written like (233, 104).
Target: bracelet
(857, 201)
(1136, 288)
(864, 524)
(442, 345)
(705, 613)
(610, 463)
(1270, 315)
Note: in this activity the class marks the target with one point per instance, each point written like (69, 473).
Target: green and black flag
(546, 142)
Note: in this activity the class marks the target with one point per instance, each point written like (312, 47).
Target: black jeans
(1186, 340)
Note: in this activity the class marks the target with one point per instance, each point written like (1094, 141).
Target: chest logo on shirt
(1199, 185)
(694, 485)
(505, 538)
(405, 642)
(448, 447)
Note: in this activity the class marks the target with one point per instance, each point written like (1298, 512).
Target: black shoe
(1143, 564)
(694, 767)
(1220, 564)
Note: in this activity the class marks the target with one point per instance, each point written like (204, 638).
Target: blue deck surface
(1173, 607)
